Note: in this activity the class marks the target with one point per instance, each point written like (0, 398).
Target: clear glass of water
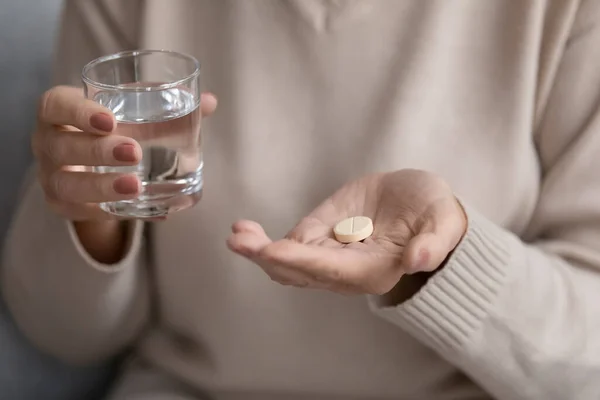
(155, 97)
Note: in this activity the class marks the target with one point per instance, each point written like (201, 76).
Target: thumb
(424, 253)
(427, 250)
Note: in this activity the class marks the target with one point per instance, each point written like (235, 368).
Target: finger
(248, 240)
(247, 244)
(430, 247)
(248, 226)
(89, 187)
(208, 104)
(424, 253)
(63, 105)
(60, 147)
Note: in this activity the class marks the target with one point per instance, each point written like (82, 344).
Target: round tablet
(353, 229)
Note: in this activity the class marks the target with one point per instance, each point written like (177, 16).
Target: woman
(489, 294)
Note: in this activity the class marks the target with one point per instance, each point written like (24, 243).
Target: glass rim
(134, 53)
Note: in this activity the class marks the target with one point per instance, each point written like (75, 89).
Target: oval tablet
(353, 229)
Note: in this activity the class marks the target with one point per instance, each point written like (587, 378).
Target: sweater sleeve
(66, 303)
(521, 316)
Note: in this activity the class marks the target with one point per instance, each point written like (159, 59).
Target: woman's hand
(74, 133)
(417, 223)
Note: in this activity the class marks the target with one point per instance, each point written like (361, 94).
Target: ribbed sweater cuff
(448, 311)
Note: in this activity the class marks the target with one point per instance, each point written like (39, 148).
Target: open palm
(417, 222)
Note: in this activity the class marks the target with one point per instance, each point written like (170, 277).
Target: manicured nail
(126, 185)
(125, 153)
(102, 122)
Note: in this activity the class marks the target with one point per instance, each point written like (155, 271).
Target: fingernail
(102, 122)
(126, 185)
(125, 152)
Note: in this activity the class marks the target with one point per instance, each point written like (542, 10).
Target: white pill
(353, 229)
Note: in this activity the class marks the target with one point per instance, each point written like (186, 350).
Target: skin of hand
(417, 223)
(72, 135)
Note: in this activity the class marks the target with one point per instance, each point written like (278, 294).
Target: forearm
(104, 241)
(67, 303)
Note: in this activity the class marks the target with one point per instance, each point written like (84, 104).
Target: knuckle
(101, 186)
(48, 146)
(56, 187)
(97, 151)
(53, 149)
(80, 114)
(44, 103)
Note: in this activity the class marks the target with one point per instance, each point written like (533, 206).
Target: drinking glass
(155, 97)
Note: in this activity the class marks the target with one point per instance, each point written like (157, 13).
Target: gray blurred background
(26, 44)
(27, 29)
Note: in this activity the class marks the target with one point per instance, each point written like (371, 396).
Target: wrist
(104, 241)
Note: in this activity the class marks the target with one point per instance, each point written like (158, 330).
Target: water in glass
(166, 123)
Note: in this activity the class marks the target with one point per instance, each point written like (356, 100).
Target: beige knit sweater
(499, 97)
